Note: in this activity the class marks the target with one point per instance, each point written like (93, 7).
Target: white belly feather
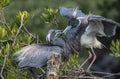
(90, 41)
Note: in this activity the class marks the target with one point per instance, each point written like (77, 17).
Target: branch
(107, 74)
(3, 20)
(21, 25)
(29, 32)
(80, 77)
(5, 58)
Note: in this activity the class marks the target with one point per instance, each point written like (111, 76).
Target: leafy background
(39, 17)
(106, 8)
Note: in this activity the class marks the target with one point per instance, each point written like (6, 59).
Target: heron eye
(74, 23)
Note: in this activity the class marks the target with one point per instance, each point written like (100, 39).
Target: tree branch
(5, 58)
(3, 20)
(21, 25)
(107, 74)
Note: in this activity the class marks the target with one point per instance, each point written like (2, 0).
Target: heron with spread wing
(92, 25)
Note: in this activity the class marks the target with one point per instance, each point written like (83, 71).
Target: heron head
(51, 34)
(73, 22)
(74, 15)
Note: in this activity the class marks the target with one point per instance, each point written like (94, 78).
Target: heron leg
(94, 58)
(89, 57)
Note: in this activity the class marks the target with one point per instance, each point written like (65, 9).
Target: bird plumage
(93, 25)
(69, 12)
(36, 55)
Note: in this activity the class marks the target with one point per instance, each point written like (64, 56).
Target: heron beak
(58, 33)
(67, 29)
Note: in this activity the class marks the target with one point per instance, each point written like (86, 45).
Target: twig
(2, 77)
(107, 74)
(37, 39)
(111, 75)
(101, 72)
(21, 25)
(3, 20)
(81, 77)
(90, 77)
(29, 32)
(55, 21)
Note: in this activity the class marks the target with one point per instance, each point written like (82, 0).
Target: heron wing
(35, 55)
(68, 12)
(101, 25)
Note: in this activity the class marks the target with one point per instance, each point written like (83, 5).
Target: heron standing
(92, 25)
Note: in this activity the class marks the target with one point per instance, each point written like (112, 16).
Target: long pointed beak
(58, 31)
(67, 29)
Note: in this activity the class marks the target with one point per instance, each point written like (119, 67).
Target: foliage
(19, 14)
(24, 20)
(71, 65)
(4, 3)
(49, 14)
(12, 38)
(115, 48)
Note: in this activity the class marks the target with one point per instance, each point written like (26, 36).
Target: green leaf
(4, 3)
(20, 15)
(115, 48)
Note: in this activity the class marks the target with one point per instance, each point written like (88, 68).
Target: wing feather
(35, 55)
(68, 12)
(101, 25)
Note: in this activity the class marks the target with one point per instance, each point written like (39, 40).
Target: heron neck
(72, 45)
(59, 42)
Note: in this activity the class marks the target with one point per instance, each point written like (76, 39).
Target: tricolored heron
(89, 27)
(36, 55)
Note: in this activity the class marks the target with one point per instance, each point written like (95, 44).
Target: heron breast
(89, 41)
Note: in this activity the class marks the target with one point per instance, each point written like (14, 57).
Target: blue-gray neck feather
(73, 39)
(71, 44)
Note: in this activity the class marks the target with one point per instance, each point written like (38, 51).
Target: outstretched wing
(68, 12)
(35, 55)
(100, 25)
